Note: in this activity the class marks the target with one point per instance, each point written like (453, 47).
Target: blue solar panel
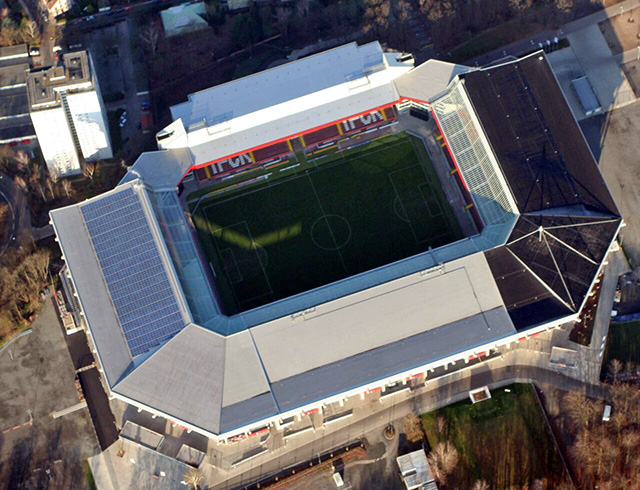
(133, 270)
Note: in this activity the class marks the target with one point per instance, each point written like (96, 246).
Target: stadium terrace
(232, 280)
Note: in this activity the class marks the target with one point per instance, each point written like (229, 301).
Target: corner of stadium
(334, 226)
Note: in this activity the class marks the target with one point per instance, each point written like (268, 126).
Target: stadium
(334, 226)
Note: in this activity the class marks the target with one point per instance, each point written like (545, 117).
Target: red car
(128, 8)
(25, 142)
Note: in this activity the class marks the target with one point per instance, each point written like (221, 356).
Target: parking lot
(36, 379)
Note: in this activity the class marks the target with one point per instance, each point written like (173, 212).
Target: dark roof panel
(536, 139)
(565, 252)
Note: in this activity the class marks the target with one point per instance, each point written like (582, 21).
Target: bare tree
(626, 399)
(520, 5)
(150, 35)
(54, 175)
(282, 16)
(580, 409)
(51, 186)
(4, 214)
(629, 442)
(564, 5)
(88, 170)
(20, 182)
(23, 160)
(412, 427)
(31, 33)
(440, 425)
(303, 6)
(443, 460)
(436, 9)
(193, 477)
(614, 368)
(67, 187)
(480, 485)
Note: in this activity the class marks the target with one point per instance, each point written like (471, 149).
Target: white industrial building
(545, 217)
(68, 114)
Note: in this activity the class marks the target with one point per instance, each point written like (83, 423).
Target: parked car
(123, 122)
(123, 115)
(139, 125)
(145, 106)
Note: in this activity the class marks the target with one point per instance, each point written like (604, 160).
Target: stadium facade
(545, 215)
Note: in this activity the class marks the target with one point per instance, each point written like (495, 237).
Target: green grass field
(623, 344)
(324, 220)
(503, 440)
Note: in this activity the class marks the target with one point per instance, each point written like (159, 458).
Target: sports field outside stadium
(320, 222)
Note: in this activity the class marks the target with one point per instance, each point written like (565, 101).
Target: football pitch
(343, 214)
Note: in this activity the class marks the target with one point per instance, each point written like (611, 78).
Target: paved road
(10, 192)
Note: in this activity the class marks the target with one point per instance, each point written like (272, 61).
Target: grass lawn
(324, 220)
(503, 441)
(623, 343)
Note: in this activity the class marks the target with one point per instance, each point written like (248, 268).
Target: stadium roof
(130, 262)
(241, 115)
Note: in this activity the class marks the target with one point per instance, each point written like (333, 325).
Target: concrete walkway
(604, 74)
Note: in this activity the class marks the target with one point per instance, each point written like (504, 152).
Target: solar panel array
(133, 270)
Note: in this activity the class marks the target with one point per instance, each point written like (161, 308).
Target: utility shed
(586, 95)
(415, 471)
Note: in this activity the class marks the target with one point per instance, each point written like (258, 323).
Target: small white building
(415, 471)
(68, 114)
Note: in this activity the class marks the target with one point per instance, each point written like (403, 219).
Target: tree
(580, 409)
(629, 442)
(520, 5)
(150, 35)
(302, 7)
(193, 477)
(22, 159)
(67, 187)
(440, 425)
(88, 170)
(30, 32)
(282, 16)
(412, 427)
(4, 216)
(443, 460)
(436, 9)
(20, 182)
(480, 485)
(614, 368)
(564, 5)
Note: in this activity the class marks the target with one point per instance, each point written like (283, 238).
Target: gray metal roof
(376, 317)
(160, 170)
(428, 81)
(394, 358)
(281, 84)
(14, 75)
(182, 379)
(293, 124)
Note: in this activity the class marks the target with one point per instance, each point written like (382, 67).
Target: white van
(607, 413)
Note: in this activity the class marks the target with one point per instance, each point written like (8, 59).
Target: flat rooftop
(42, 85)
